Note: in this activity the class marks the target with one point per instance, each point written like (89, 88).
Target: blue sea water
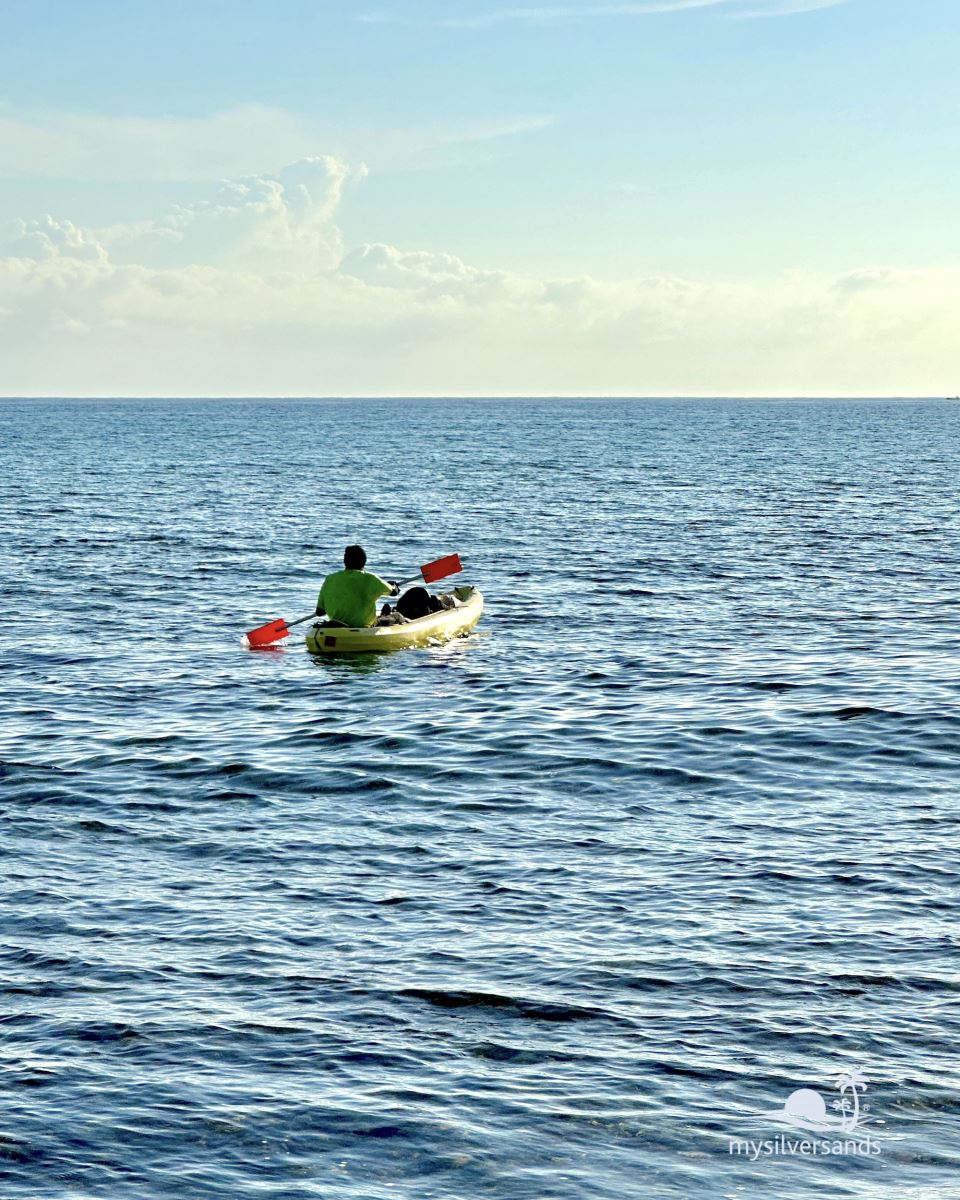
(552, 912)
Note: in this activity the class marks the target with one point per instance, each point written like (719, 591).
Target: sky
(452, 197)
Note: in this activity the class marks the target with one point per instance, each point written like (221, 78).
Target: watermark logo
(808, 1112)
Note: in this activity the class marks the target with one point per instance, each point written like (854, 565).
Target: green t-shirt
(351, 597)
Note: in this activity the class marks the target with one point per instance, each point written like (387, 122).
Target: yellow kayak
(433, 628)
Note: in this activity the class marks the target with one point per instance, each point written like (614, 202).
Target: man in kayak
(350, 596)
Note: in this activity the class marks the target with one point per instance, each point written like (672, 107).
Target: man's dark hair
(354, 558)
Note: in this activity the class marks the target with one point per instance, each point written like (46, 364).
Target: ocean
(574, 908)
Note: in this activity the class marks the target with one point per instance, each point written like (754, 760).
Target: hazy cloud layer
(230, 144)
(250, 291)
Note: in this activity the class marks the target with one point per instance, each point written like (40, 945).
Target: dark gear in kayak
(418, 602)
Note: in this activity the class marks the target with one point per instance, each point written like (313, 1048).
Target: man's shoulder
(355, 576)
(332, 582)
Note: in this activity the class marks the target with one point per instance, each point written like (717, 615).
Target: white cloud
(56, 145)
(867, 279)
(434, 276)
(268, 222)
(46, 238)
(543, 14)
(249, 292)
(433, 141)
(785, 8)
(565, 12)
(626, 188)
(230, 144)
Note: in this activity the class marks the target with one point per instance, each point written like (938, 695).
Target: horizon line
(599, 396)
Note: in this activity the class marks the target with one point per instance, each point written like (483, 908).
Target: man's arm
(387, 589)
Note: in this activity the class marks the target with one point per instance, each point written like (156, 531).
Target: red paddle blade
(441, 568)
(274, 631)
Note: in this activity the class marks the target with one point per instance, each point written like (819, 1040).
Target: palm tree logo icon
(850, 1084)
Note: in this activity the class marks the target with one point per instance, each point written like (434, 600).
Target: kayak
(429, 630)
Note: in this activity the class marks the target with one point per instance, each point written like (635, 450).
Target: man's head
(354, 558)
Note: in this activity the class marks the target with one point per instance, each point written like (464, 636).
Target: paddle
(438, 569)
(276, 631)
(273, 631)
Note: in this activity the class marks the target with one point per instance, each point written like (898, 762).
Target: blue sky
(578, 171)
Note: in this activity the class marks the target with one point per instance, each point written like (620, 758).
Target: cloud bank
(250, 290)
